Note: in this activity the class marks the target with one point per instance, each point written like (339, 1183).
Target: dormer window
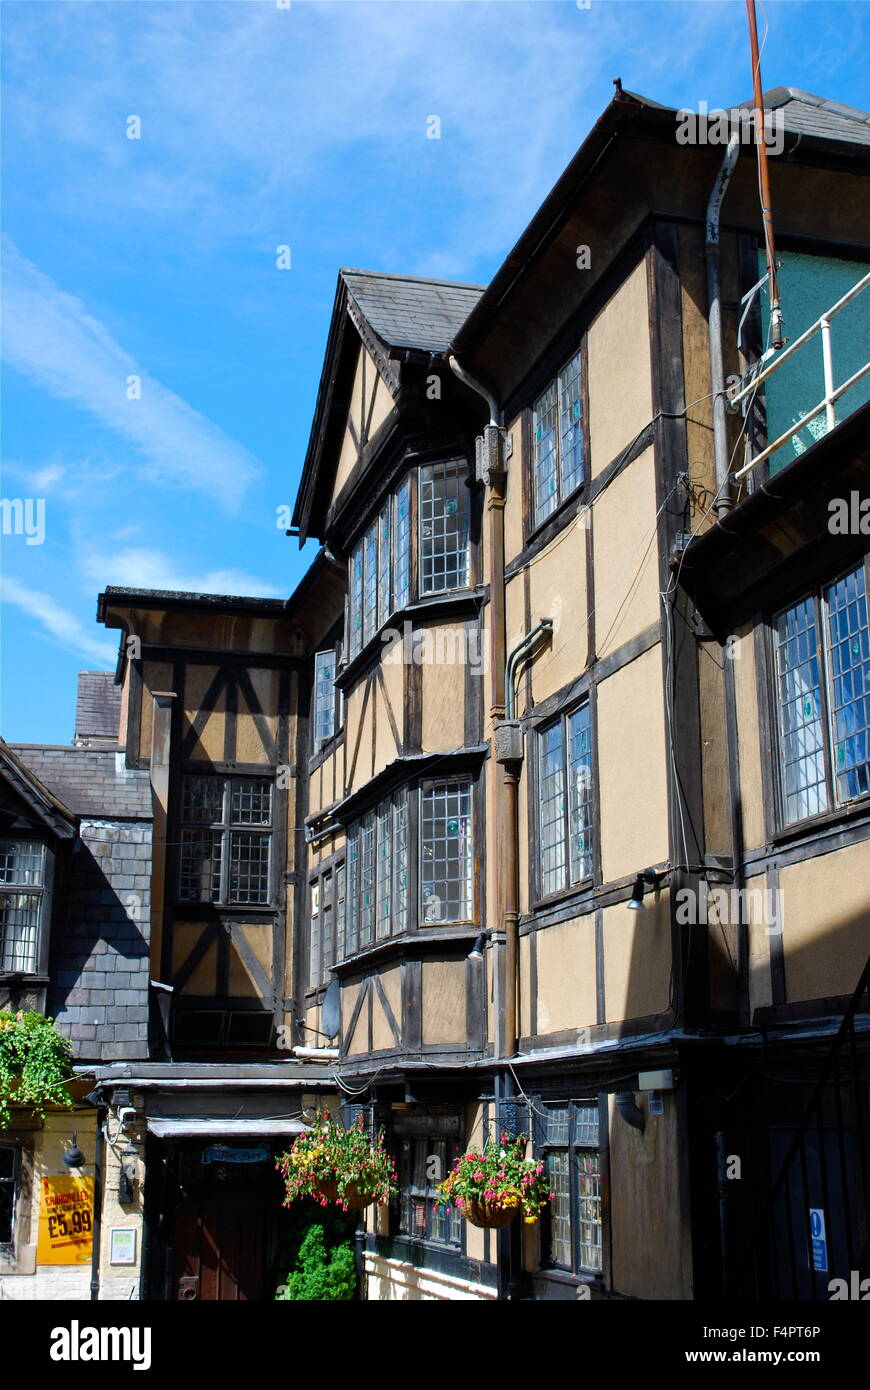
(381, 579)
(22, 890)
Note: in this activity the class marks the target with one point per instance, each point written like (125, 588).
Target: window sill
(558, 899)
(326, 749)
(408, 942)
(436, 605)
(24, 977)
(559, 516)
(850, 810)
(187, 907)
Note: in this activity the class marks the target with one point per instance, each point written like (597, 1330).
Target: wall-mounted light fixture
(646, 876)
(73, 1157)
(476, 952)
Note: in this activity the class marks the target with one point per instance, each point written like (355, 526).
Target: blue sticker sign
(819, 1239)
(223, 1153)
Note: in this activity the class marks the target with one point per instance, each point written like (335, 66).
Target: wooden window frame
(8, 1246)
(226, 828)
(542, 383)
(320, 742)
(573, 1147)
(836, 806)
(41, 892)
(540, 729)
(453, 1149)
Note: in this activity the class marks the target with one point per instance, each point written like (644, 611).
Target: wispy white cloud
(58, 623)
(50, 337)
(143, 568)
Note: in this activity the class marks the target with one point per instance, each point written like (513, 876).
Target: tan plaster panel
(566, 975)
(382, 1033)
(558, 590)
(359, 1040)
(157, 675)
(444, 1019)
(620, 386)
(444, 690)
(632, 768)
(241, 982)
(826, 915)
(637, 960)
(626, 556)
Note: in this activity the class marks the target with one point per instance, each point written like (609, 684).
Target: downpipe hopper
(509, 741)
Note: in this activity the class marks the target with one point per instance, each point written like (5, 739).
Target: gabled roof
(396, 317)
(823, 125)
(806, 114)
(409, 313)
(47, 807)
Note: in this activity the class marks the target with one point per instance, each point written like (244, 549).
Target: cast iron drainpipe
(724, 499)
(98, 1202)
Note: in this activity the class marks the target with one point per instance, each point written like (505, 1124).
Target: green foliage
(35, 1063)
(316, 1254)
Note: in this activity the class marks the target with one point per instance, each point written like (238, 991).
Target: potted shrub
(35, 1064)
(490, 1186)
(334, 1164)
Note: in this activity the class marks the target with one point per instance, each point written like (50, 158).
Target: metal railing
(832, 394)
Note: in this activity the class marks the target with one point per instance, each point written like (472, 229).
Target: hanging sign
(222, 1153)
(66, 1221)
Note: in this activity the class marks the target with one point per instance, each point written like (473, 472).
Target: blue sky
(264, 126)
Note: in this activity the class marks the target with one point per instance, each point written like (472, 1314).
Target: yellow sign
(66, 1221)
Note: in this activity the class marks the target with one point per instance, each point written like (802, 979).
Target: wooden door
(221, 1248)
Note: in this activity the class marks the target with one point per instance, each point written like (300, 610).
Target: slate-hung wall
(99, 955)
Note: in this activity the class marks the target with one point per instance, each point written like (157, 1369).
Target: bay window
(380, 569)
(421, 835)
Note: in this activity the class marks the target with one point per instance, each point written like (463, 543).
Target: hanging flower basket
(351, 1197)
(488, 1215)
(491, 1186)
(332, 1164)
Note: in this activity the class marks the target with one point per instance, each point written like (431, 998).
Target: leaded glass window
(573, 1162)
(822, 660)
(325, 696)
(445, 851)
(565, 801)
(220, 861)
(22, 883)
(444, 515)
(558, 443)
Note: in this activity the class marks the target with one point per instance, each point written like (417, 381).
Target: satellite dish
(330, 1017)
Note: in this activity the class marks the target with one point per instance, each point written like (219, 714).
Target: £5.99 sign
(66, 1221)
